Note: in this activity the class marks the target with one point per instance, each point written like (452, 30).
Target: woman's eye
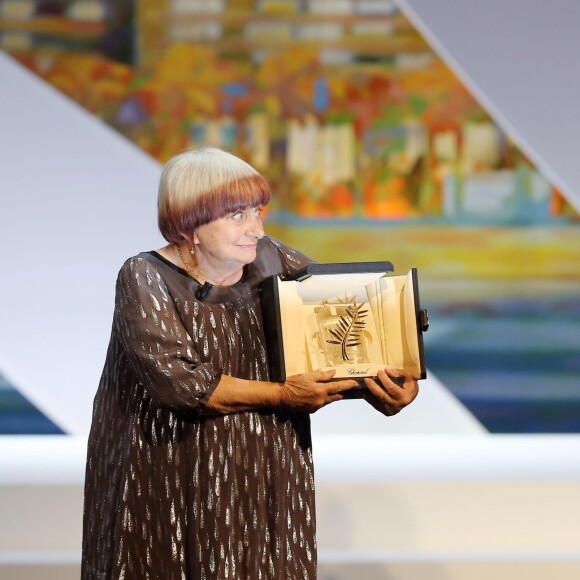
(243, 214)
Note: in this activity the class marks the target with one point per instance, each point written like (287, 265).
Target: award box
(356, 318)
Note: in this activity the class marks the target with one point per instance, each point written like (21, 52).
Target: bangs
(244, 192)
(228, 197)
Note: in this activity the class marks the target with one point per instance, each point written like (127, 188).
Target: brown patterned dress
(168, 494)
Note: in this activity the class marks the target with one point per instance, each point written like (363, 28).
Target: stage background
(374, 149)
(428, 494)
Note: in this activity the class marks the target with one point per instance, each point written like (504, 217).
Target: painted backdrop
(374, 151)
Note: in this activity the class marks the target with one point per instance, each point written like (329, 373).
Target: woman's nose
(256, 227)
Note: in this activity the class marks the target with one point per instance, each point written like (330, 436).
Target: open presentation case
(356, 318)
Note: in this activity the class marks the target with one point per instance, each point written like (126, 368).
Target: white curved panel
(76, 200)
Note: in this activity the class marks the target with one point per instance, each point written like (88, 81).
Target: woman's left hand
(388, 397)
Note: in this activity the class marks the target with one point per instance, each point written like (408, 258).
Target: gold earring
(192, 250)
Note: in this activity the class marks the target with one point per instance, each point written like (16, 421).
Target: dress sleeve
(290, 259)
(156, 343)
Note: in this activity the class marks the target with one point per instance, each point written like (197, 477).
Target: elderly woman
(198, 466)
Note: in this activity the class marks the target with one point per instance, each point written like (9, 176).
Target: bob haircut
(202, 185)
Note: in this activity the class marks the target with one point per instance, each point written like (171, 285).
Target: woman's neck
(216, 276)
(200, 268)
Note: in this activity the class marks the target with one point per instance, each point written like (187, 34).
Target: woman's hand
(309, 392)
(388, 397)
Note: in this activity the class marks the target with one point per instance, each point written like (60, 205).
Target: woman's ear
(188, 238)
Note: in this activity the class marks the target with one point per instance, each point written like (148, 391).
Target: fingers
(374, 388)
(392, 391)
(343, 385)
(333, 389)
(391, 378)
(311, 391)
(321, 376)
(389, 392)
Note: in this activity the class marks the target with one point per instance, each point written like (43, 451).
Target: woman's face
(231, 240)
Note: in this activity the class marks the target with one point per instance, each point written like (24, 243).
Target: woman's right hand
(308, 392)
